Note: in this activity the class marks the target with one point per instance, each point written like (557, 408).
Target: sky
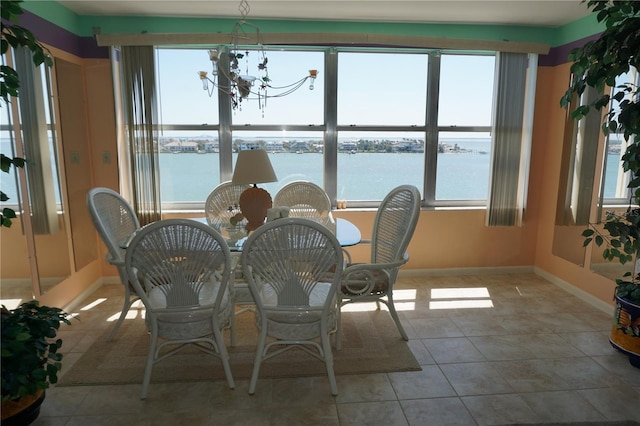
(373, 89)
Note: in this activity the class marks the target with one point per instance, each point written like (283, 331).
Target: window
(373, 163)
(614, 179)
(181, 90)
(375, 119)
(464, 121)
(297, 156)
(384, 89)
(466, 90)
(302, 107)
(463, 166)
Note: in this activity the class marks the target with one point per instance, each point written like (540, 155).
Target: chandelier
(231, 67)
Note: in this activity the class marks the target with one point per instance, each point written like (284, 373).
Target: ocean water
(190, 177)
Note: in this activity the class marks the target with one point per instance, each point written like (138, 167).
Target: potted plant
(597, 64)
(30, 359)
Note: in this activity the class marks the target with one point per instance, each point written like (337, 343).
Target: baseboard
(80, 298)
(489, 270)
(10, 283)
(114, 279)
(580, 294)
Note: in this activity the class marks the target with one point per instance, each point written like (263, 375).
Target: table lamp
(253, 167)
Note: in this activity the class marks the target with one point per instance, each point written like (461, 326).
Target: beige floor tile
(63, 401)
(477, 378)
(618, 365)
(311, 414)
(143, 419)
(230, 417)
(115, 399)
(553, 374)
(239, 398)
(387, 413)
(437, 412)
(420, 352)
(562, 406)
(364, 388)
(426, 328)
(591, 343)
(109, 420)
(300, 391)
(579, 373)
(615, 403)
(51, 421)
(565, 322)
(453, 350)
(482, 324)
(499, 409)
(174, 397)
(428, 383)
(523, 346)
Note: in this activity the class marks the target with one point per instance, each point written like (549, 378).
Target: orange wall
(547, 140)
(13, 250)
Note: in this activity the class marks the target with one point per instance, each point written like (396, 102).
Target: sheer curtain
(38, 150)
(512, 124)
(140, 110)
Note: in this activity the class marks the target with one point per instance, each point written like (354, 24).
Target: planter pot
(625, 333)
(23, 411)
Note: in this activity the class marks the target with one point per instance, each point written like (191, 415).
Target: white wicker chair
(393, 228)
(221, 205)
(307, 200)
(180, 268)
(287, 263)
(115, 221)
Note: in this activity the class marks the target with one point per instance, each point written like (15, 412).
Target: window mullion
(225, 136)
(331, 120)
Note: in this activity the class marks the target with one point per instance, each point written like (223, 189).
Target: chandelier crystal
(231, 65)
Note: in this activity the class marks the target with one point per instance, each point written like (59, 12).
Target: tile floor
(494, 349)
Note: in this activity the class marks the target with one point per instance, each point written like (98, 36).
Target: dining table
(347, 234)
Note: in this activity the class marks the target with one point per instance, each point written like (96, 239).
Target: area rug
(370, 344)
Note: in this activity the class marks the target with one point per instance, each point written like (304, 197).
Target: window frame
(331, 129)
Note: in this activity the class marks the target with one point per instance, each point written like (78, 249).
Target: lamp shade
(253, 166)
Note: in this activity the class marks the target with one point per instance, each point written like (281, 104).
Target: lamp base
(254, 203)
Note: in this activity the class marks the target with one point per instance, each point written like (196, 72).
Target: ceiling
(546, 13)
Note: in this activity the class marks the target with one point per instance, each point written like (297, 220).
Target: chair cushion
(190, 323)
(316, 298)
(301, 324)
(380, 286)
(206, 296)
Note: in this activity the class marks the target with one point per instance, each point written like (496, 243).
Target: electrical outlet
(106, 157)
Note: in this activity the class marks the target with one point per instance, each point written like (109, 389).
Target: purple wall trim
(558, 55)
(58, 37)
